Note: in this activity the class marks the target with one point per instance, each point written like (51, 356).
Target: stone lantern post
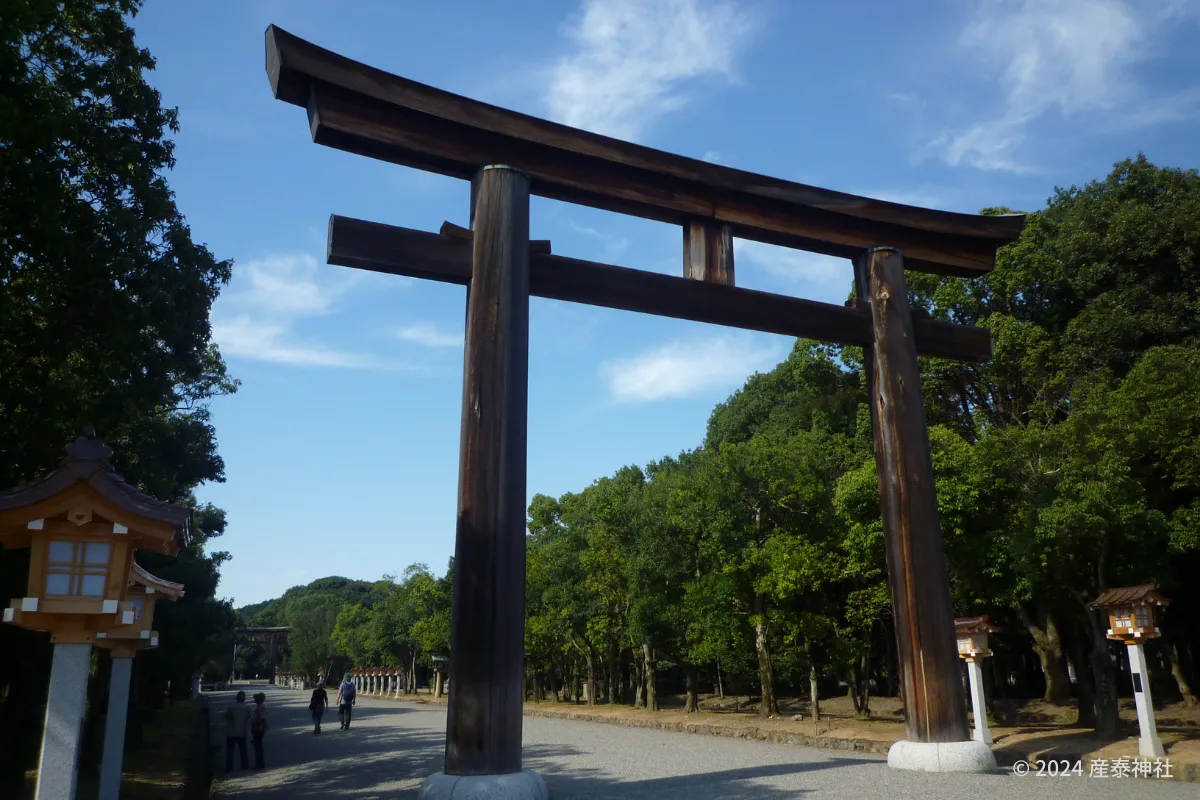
(973, 648)
(1131, 620)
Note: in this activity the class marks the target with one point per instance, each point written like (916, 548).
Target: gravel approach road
(392, 746)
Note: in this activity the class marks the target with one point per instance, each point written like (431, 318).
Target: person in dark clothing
(318, 704)
(258, 728)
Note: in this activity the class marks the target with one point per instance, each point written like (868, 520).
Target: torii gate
(507, 156)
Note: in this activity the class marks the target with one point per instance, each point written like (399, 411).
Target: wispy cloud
(682, 369)
(634, 60)
(798, 266)
(272, 341)
(268, 296)
(613, 243)
(1073, 58)
(428, 335)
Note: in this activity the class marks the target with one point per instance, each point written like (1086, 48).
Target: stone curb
(1004, 758)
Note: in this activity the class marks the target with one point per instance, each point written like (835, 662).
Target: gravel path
(392, 747)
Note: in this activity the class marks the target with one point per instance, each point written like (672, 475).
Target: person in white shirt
(237, 720)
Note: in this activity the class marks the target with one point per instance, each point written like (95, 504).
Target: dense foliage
(1068, 464)
(104, 318)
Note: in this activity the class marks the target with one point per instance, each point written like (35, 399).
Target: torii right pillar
(937, 738)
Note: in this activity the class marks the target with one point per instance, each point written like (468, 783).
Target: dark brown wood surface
(364, 110)
(708, 252)
(934, 704)
(487, 632)
(402, 251)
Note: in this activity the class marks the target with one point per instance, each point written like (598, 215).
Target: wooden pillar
(708, 252)
(483, 724)
(934, 704)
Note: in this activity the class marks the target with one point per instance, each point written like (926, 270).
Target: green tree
(104, 307)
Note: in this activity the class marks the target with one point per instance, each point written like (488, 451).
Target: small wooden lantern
(82, 524)
(1131, 612)
(972, 637)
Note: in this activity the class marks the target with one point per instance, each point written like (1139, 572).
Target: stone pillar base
(524, 785)
(942, 757)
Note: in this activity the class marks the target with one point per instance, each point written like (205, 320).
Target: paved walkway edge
(1004, 758)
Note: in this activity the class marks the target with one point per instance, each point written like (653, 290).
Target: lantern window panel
(1142, 617)
(138, 604)
(77, 568)
(1121, 618)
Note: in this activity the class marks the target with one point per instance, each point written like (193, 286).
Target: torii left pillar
(58, 765)
(487, 632)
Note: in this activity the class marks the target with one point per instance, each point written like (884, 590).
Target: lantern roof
(139, 576)
(965, 625)
(87, 463)
(1128, 595)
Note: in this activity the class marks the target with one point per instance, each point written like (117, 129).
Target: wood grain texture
(708, 252)
(363, 110)
(934, 704)
(402, 251)
(487, 633)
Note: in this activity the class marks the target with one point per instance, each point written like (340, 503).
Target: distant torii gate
(507, 156)
(271, 637)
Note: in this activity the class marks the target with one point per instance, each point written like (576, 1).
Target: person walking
(258, 728)
(345, 700)
(318, 704)
(237, 719)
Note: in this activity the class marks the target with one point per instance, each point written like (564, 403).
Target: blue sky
(341, 447)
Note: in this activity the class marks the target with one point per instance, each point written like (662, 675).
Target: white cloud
(613, 244)
(680, 369)
(266, 298)
(272, 341)
(1073, 58)
(712, 157)
(634, 59)
(423, 333)
(798, 266)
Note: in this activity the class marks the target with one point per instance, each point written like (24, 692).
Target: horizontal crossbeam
(403, 251)
(363, 110)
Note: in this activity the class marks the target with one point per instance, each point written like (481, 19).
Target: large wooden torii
(508, 156)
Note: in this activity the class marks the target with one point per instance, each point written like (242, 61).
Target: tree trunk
(1080, 639)
(437, 684)
(766, 673)
(720, 683)
(590, 654)
(814, 693)
(1048, 644)
(651, 677)
(1107, 719)
(613, 680)
(693, 699)
(1185, 689)
(639, 684)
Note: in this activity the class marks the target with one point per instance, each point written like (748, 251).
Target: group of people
(241, 719)
(345, 702)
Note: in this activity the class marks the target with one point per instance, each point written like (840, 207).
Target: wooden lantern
(1131, 612)
(82, 524)
(972, 635)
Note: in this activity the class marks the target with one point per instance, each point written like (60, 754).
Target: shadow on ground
(382, 756)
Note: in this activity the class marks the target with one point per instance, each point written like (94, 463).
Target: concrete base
(525, 785)
(942, 757)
